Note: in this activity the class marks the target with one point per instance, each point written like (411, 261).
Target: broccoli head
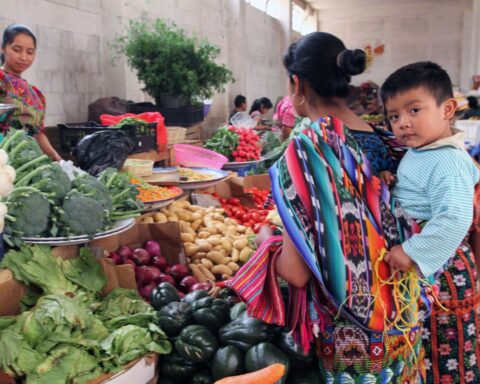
(81, 214)
(28, 213)
(21, 148)
(49, 179)
(91, 187)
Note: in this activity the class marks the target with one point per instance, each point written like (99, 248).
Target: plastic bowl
(192, 156)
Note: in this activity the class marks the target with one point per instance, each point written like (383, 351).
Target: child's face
(416, 119)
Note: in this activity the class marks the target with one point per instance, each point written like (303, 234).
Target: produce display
(215, 340)
(46, 203)
(66, 332)
(191, 175)
(148, 193)
(215, 246)
(238, 144)
(7, 177)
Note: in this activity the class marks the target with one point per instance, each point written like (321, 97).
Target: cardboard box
(138, 371)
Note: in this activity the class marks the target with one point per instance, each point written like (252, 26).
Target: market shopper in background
(337, 223)
(473, 110)
(240, 103)
(259, 109)
(18, 48)
(285, 116)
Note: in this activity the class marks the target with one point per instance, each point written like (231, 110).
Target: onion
(179, 271)
(131, 262)
(117, 259)
(153, 248)
(125, 252)
(146, 290)
(205, 286)
(160, 262)
(165, 278)
(143, 275)
(181, 295)
(187, 282)
(156, 274)
(141, 256)
(167, 269)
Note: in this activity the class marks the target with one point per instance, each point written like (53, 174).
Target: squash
(174, 317)
(264, 354)
(196, 343)
(228, 361)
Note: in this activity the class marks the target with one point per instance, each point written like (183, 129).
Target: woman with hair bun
(18, 50)
(337, 227)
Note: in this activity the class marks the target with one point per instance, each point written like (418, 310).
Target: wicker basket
(138, 167)
(176, 135)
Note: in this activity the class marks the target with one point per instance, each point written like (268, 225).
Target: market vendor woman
(18, 52)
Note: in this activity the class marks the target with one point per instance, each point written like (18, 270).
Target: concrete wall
(74, 60)
(411, 31)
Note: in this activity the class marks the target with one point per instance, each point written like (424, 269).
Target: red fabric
(149, 117)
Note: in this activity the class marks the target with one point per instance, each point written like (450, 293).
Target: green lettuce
(17, 357)
(36, 265)
(84, 271)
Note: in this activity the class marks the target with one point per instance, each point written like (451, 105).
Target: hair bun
(352, 61)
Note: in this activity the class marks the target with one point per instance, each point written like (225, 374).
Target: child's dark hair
(425, 74)
(323, 61)
(239, 100)
(259, 103)
(11, 32)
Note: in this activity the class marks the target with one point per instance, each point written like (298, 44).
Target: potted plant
(176, 69)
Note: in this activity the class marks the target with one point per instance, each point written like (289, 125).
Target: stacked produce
(214, 245)
(238, 144)
(46, 203)
(151, 268)
(214, 338)
(67, 333)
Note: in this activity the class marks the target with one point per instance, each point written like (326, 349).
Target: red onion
(125, 252)
(160, 262)
(156, 274)
(204, 286)
(131, 262)
(181, 295)
(153, 248)
(143, 275)
(164, 278)
(141, 256)
(187, 282)
(179, 271)
(146, 290)
(117, 259)
(167, 269)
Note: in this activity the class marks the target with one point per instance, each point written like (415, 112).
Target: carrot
(268, 375)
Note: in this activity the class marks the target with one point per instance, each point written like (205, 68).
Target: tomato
(256, 217)
(239, 214)
(257, 227)
(223, 201)
(234, 201)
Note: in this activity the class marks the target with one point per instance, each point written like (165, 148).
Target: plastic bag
(149, 117)
(102, 150)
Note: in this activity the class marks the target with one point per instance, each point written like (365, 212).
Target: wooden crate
(194, 132)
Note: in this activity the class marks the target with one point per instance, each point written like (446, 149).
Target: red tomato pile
(259, 196)
(248, 148)
(250, 217)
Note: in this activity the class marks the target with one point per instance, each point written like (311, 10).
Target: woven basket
(138, 167)
(176, 135)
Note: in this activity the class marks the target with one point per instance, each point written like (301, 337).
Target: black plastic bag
(102, 150)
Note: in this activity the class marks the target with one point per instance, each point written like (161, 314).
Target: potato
(218, 247)
(218, 217)
(191, 249)
(196, 208)
(207, 263)
(204, 246)
(212, 230)
(196, 216)
(196, 224)
(206, 272)
(233, 266)
(240, 243)
(148, 220)
(197, 273)
(203, 235)
(220, 210)
(226, 244)
(241, 228)
(186, 228)
(230, 221)
(160, 217)
(249, 231)
(235, 255)
(184, 216)
(206, 220)
(187, 237)
(199, 255)
(245, 254)
(222, 270)
(210, 210)
(217, 257)
(215, 240)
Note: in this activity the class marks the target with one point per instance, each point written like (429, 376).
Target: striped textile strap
(256, 284)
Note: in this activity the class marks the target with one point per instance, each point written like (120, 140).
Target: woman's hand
(398, 259)
(264, 233)
(387, 177)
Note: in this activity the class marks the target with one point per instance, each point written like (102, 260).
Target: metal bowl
(6, 110)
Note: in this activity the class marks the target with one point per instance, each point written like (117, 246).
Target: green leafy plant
(168, 61)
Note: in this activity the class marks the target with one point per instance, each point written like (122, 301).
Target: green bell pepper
(196, 343)
(210, 312)
(173, 317)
